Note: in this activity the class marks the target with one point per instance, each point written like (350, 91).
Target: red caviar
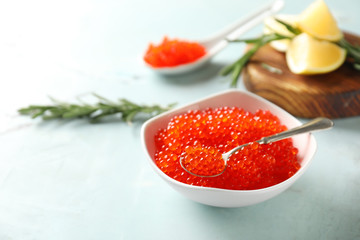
(219, 130)
(202, 161)
(173, 52)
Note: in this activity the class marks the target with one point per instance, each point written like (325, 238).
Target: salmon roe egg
(202, 161)
(174, 52)
(201, 135)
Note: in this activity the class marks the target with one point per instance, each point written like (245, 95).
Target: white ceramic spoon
(216, 43)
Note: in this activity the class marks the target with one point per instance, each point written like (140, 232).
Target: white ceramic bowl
(305, 143)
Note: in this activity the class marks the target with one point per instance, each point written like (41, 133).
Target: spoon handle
(243, 25)
(316, 124)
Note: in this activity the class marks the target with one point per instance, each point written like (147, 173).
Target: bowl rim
(202, 188)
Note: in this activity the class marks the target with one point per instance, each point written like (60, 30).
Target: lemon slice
(318, 21)
(271, 26)
(307, 55)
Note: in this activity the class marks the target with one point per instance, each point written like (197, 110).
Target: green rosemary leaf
(357, 66)
(236, 74)
(353, 51)
(105, 100)
(75, 111)
(227, 69)
(130, 116)
(290, 28)
(248, 41)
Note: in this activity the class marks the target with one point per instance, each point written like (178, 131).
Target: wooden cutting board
(332, 95)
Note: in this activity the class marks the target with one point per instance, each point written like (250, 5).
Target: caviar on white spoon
(217, 165)
(219, 41)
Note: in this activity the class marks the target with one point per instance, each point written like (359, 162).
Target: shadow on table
(350, 123)
(292, 215)
(202, 74)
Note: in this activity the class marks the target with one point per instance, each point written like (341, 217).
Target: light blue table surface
(67, 180)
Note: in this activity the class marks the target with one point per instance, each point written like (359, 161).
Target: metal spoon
(216, 43)
(315, 124)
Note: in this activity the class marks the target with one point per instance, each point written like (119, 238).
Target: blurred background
(100, 44)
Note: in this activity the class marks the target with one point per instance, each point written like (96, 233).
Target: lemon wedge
(307, 55)
(272, 26)
(318, 21)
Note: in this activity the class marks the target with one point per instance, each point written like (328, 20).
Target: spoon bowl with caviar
(173, 57)
(203, 162)
(217, 124)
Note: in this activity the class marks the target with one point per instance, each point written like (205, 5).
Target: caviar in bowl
(222, 196)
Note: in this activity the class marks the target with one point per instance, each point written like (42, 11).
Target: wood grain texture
(332, 95)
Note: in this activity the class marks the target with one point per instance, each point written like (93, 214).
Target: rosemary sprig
(236, 68)
(257, 43)
(353, 51)
(290, 28)
(94, 112)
